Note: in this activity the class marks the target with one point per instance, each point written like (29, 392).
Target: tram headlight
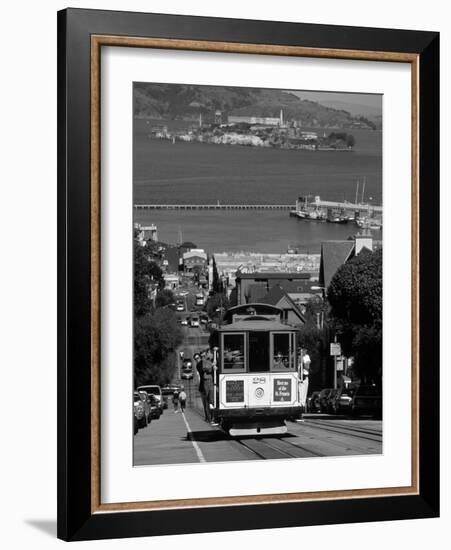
(259, 393)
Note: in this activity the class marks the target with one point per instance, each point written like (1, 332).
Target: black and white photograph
(258, 231)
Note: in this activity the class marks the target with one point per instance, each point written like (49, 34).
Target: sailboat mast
(357, 192)
(363, 190)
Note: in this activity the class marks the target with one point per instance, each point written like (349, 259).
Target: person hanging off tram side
(199, 358)
(208, 370)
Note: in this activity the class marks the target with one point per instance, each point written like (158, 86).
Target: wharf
(214, 206)
(347, 206)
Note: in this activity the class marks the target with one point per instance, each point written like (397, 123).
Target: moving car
(154, 390)
(200, 299)
(367, 400)
(185, 321)
(187, 369)
(180, 306)
(194, 321)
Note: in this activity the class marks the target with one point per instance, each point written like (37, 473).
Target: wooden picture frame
(81, 35)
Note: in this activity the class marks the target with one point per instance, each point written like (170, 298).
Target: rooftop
(333, 255)
(274, 275)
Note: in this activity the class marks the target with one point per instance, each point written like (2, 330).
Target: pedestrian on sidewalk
(175, 401)
(182, 399)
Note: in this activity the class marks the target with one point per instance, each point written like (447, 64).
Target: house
(291, 312)
(171, 281)
(252, 287)
(196, 257)
(336, 253)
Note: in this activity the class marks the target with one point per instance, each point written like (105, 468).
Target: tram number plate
(282, 389)
(234, 391)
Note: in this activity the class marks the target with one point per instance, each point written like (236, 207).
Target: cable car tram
(259, 382)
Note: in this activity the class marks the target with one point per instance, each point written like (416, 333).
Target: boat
(314, 214)
(335, 216)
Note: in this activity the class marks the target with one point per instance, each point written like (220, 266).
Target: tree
(314, 336)
(147, 274)
(355, 297)
(216, 283)
(165, 298)
(216, 305)
(156, 338)
(350, 140)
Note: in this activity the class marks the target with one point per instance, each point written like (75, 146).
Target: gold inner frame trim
(97, 41)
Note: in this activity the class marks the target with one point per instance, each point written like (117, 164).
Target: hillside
(179, 101)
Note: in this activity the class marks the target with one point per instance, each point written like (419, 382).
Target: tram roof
(259, 308)
(255, 323)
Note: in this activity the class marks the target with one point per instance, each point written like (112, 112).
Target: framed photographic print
(248, 274)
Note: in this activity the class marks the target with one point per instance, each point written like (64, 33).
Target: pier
(318, 203)
(348, 206)
(214, 206)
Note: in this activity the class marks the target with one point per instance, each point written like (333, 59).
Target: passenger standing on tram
(200, 372)
(208, 368)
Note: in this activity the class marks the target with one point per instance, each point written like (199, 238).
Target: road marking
(199, 453)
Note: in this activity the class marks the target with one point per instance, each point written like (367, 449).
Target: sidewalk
(164, 441)
(185, 439)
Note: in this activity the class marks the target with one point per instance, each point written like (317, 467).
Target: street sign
(335, 348)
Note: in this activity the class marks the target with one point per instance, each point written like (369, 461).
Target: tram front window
(233, 355)
(282, 358)
(258, 352)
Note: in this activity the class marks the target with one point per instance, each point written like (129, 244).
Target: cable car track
(321, 422)
(275, 448)
(344, 430)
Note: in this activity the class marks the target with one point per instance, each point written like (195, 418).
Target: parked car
(342, 402)
(156, 391)
(155, 411)
(180, 306)
(194, 321)
(323, 399)
(185, 321)
(313, 402)
(331, 400)
(367, 400)
(138, 411)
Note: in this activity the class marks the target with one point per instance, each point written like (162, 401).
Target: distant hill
(180, 101)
